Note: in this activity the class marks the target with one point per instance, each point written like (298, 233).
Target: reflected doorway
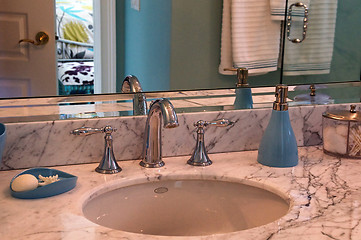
(74, 21)
(30, 70)
(96, 46)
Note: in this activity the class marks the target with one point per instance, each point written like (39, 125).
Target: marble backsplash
(50, 143)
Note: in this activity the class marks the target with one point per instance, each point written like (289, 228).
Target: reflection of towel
(314, 54)
(278, 9)
(249, 37)
(226, 42)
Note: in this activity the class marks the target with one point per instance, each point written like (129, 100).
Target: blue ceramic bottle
(243, 98)
(278, 147)
(243, 91)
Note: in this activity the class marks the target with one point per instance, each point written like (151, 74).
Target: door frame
(104, 46)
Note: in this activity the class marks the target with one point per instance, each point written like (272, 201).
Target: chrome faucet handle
(108, 164)
(87, 131)
(200, 156)
(217, 123)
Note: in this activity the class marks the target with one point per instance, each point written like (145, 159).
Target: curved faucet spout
(160, 110)
(131, 84)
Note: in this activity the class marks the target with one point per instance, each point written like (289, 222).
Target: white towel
(278, 9)
(249, 37)
(314, 54)
(226, 42)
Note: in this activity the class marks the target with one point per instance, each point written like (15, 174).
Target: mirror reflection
(119, 105)
(174, 45)
(331, 51)
(167, 44)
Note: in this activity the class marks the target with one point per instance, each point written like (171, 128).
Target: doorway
(74, 23)
(103, 43)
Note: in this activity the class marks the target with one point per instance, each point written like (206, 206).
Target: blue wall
(147, 43)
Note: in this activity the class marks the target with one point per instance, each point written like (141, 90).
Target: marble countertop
(324, 191)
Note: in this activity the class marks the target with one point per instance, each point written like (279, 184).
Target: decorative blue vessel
(278, 147)
(243, 98)
(66, 183)
(243, 91)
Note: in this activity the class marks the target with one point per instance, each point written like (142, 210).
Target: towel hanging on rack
(278, 9)
(314, 54)
(250, 38)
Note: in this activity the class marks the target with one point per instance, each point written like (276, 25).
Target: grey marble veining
(324, 192)
(49, 143)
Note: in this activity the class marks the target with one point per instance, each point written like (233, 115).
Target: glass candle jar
(342, 133)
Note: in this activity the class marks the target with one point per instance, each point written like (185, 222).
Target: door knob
(41, 38)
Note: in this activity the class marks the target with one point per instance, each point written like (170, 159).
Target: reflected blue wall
(174, 44)
(147, 43)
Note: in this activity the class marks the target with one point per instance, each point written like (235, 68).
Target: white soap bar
(24, 182)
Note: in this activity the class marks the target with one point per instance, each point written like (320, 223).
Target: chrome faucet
(108, 164)
(200, 156)
(152, 151)
(131, 84)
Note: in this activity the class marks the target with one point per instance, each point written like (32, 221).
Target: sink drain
(161, 190)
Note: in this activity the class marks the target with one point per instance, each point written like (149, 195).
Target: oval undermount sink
(185, 207)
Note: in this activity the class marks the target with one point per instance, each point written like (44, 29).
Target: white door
(27, 69)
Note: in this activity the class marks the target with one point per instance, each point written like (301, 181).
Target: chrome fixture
(108, 164)
(289, 22)
(281, 98)
(200, 156)
(242, 76)
(313, 90)
(131, 84)
(152, 151)
(313, 97)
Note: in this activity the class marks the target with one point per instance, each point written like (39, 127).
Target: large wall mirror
(173, 45)
(331, 51)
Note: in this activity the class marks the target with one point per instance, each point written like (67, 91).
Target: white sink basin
(185, 207)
